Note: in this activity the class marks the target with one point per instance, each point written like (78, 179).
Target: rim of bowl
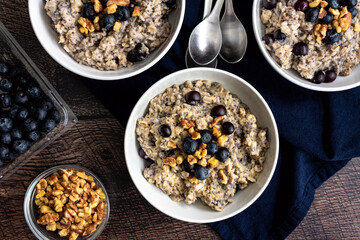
(129, 131)
(30, 195)
(107, 78)
(283, 72)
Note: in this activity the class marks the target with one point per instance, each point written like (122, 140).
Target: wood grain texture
(96, 142)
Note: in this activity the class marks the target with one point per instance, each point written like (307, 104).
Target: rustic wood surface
(96, 142)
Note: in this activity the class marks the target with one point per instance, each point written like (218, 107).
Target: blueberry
(123, 13)
(353, 12)
(20, 98)
(12, 156)
(219, 110)
(30, 125)
(269, 4)
(206, 136)
(190, 146)
(5, 100)
(330, 76)
(22, 114)
(47, 125)
(4, 68)
(33, 92)
(46, 104)
(22, 80)
(327, 19)
(39, 114)
(187, 167)
(108, 21)
(165, 130)
(201, 172)
(300, 49)
(4, 153)
(6, 85)
(319, 77)
(137, 54)
(33, 136)
(55, 115)
(268, 39)
(301, 5)
(170, 3)
(104, 2)
(331, 37)
(20, 146)
(278, 35)
(5, 124)
(227, 128)
(212, 148)
(193, 97)
(143, 154)
(13, 111)
(5, 138)
(348, 3)
(311, 14)
(16, 133)
(88, 10)
(223, 154)
(333, 4)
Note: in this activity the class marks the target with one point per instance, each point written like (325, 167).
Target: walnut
(202, 146)
(117, 26)
(322, 13)
(193, 179)
(170, 161)
(324, 4)
(202, 162)
(171, 144)
(52, 180)
(320, 32)
(96, 23)
(222, 140)
(136, 12)
(357, 27)
(121, 3)
(345, 21)
(223, 177)
(51, 226)
(186, 124)
(191, 159)
(315, 3)
(216, 121)
(213, 162)
(86, 25)
(97, 5)
(110, 9)
(179, 159)
(216, 132)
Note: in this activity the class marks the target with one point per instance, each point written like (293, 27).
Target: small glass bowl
(31, 213)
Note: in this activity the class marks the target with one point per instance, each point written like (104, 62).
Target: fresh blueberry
(201, 172)
(47, 125)
(20, 146)
(143, 154)
(206, 136)
(4, 153)
(268, 39)
(212, 148)
(311, 14)
(5, 124)
(33, 92)
(30, 125)
(301, 5)
(16, 133)
(4, 68)
(55, 115)
(170, 3)
(227, 128)
(278, 35)
(300, 49)
(327, 19)
(319, 77)
(269, 4)
(331, 37)
(108, 21)
(22, 114)
(123, 13)
(219, 110)
(223, 154)
(46, 104)
(330, 76)
(187, 167)
(165, 130)
(22, 80)
(12, 156)
(353, 12)
(137, 54)
(193, 97)
(88, 10)
(6, 85)
(33, 136)
(190, 146)
(20, 98)
(13, 111)
(5, 100)
(5, 138)
(39, 114)
(348, 3)
(333, 4)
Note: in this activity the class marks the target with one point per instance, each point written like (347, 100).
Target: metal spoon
(234, 38)
(206, 39)
(189, 62)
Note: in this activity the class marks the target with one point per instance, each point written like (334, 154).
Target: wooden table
(96, 142)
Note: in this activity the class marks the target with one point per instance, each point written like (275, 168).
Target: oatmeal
(319, 39)
(201, 142)
(110, 34)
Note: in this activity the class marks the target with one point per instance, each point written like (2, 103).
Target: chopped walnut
(121, 3)
(136, 12)
(216, 121)
(186, 124)
(170, 161)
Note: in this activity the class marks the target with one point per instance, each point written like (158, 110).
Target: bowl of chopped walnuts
(66, 201)
(107, 39)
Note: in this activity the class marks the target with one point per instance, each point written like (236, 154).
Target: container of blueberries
(32, 114)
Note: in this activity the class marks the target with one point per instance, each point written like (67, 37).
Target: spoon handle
(207, 7)
(229, 8)
(214, 15)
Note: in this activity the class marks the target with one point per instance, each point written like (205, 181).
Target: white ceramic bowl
(199, 213)
(48, 38)
(341, 83)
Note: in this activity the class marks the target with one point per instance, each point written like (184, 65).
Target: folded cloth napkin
(319, 132)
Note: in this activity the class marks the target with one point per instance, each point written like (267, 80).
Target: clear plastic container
(31, 210)
(12, 53)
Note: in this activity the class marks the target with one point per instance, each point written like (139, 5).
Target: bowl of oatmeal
(314, 44)
(201, 145)
(107, 39)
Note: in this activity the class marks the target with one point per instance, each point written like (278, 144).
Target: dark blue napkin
(319, 132)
